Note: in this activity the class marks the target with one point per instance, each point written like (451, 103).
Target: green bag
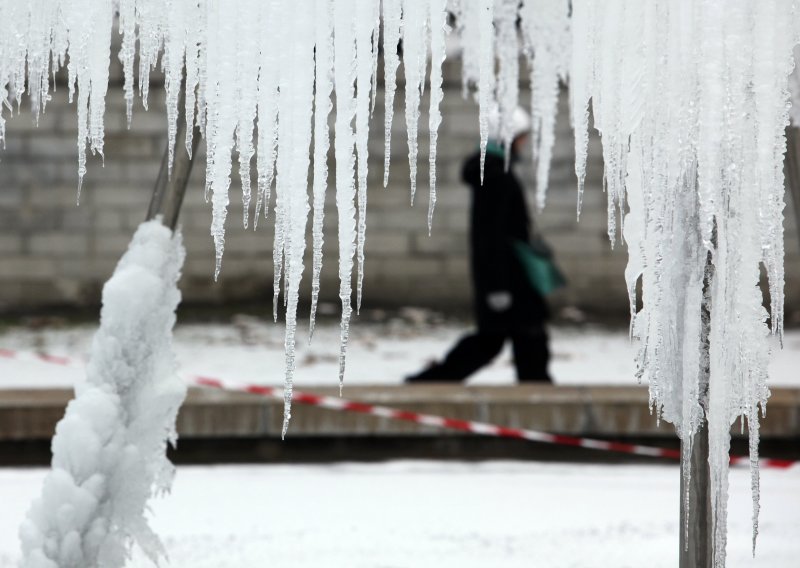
(537, 261)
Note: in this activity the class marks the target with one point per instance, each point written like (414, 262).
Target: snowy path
(252, 351)
(437, 515)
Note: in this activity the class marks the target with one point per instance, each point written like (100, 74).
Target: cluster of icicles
(690, 99)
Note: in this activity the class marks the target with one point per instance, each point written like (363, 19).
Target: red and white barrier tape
(480, 428)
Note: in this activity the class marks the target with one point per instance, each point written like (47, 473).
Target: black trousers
(476, 350)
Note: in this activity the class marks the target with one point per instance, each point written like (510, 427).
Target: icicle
(127, 52)
(468, 28)
(365, 31)
(247, 99)
(507, 48)
(173, 67)
(272, 42)
(438, 20)
(392, 24)
(322, 108)
(294, 139)
(486, 81)
(222, 119)
(344, 82)
(415, 22)
(580, 84)
(193, 65)
(546, 29)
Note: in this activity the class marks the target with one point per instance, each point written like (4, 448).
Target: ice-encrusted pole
(697, 535)
(696, 543)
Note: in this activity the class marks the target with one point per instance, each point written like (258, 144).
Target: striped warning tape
(480, 428)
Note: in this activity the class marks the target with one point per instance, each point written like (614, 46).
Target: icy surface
(109, 449)
(443, 514)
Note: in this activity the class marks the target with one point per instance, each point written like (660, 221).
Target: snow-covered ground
(251, 350)
(437, 515)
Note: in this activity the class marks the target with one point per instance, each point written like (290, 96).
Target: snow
(109, 449)
(251, 350)
(442, 514)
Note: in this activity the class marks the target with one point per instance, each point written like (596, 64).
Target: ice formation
(691, 101)
(109, 449)
(690, 98)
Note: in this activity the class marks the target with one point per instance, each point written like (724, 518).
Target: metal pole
(170, 188)
(696, 543)
(696, 540)
(792, 169)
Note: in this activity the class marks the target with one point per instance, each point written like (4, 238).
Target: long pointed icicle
(322, 108)
(438, 20)
(507, 47)
(247, 104)
(221, 120)
(392, 23)
(344, 82)
(292, 180)
(486, 66)
(415, 18)
(545, 26)
(365, 32)
(268, 98)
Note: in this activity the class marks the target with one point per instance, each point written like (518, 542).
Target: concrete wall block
(121, 195)
(119, 146)
(16, 268)
(11, 196)
(443, 244)
(11, 244)
(50, 195)
(59, 244)
(77, 219)
(382, 243)
(44, 145)
(113, 244)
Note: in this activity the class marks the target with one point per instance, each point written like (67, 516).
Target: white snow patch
(447, 515)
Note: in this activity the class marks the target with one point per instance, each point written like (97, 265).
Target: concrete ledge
(585, 411)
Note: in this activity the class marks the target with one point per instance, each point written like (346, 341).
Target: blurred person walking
(506, 270)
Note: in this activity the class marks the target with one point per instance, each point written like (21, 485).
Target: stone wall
(54, 252)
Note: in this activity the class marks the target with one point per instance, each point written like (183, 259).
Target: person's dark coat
(499, 217)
